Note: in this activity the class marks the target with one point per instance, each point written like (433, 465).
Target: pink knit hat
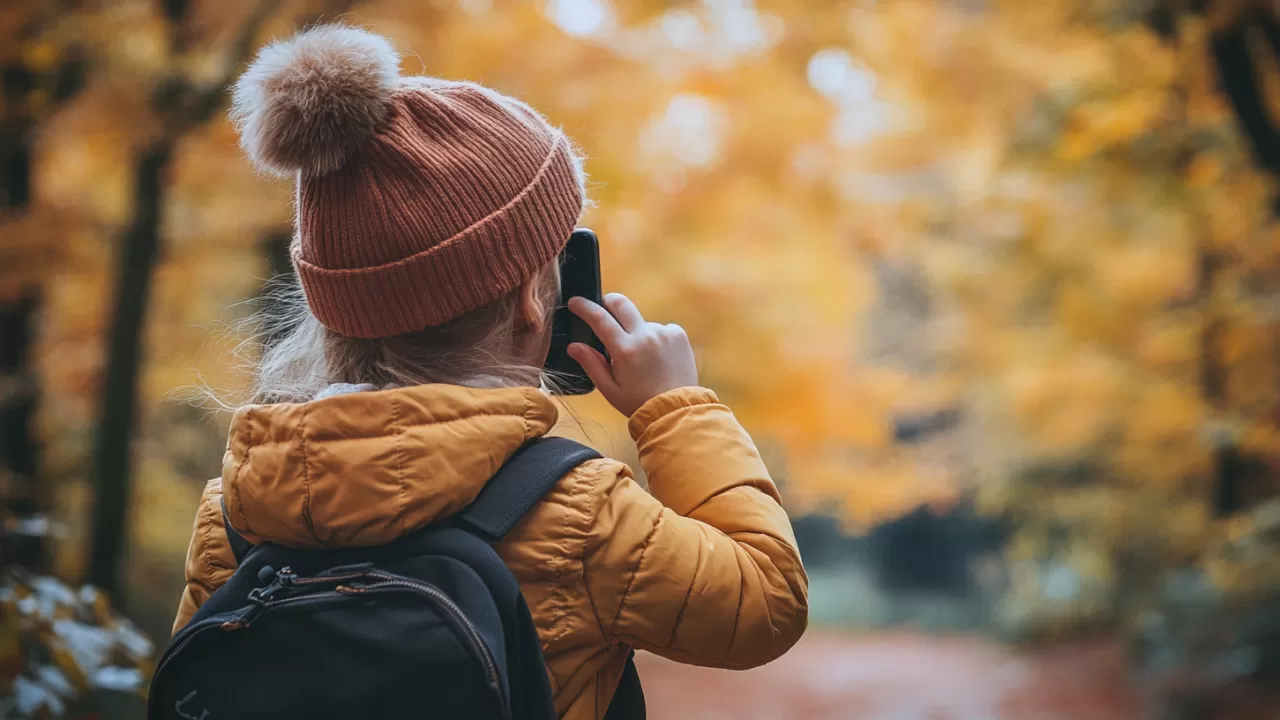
(418, 199)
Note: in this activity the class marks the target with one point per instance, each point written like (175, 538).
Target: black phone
(579, 277)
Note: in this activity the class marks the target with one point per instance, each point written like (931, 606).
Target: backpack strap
(519, 484)
(239, 546)
(628, 699)
(509, 495)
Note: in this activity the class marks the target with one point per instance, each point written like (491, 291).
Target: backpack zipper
(221, 624)
(386, 582)
(286, 578)
(392, 582)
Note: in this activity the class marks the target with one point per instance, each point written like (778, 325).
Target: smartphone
(579, 277)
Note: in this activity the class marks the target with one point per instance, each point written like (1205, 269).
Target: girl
(429, 218)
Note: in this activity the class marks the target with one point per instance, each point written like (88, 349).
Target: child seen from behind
(429, 218)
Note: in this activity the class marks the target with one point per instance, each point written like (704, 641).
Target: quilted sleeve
(210, 562)
(705, 569)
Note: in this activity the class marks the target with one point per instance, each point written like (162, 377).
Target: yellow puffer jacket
(702, 568)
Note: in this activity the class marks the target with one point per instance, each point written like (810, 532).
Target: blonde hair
(294, 357)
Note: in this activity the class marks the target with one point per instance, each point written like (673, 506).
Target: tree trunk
(113, 451)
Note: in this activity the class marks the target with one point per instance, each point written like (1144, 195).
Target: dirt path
(899, 677)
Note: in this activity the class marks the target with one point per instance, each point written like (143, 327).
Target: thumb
(595, 365)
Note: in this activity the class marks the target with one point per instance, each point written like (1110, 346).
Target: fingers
(604, 325)
(595, 365)
(626, 312)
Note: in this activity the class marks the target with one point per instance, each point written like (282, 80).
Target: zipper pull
(284, 578)
(265, 573)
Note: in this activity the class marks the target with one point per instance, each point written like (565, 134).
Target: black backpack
(430, 626)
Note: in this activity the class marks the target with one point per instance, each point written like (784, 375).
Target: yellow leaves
(1057, 248)
(132, 38)
(182, 323)
(1247, 347)
(817, 409)
(1169, 343)
(84, 159)
(1132, 100)
(1162, 434)
(1087, 316)
(864, 493)
(1234, 212)
(1205, 170)
(1067, 403)
(1061, 61)
(1143, 59)
(214, 195)
(1146, 275)
(1103, 124)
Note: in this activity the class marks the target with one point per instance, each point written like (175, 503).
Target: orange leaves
(1168, 344)
(1101, 260)
(215, 198)
(1163, 436)
(1052, 176)
(864, 494)
(1204, 171)
(1067, 403)
(84, 158)
(1131, 100)
(1104, 124)
(1145, 275)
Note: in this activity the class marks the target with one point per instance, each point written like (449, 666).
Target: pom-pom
(307, 104)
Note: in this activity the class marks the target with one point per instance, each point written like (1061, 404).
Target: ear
(531, 313)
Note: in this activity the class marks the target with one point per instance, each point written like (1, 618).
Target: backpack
(432, 625)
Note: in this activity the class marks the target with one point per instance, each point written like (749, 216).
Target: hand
(645, 359)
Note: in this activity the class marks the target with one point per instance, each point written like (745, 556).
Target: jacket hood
(362, 469)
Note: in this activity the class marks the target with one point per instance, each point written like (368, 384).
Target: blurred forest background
(995, 284)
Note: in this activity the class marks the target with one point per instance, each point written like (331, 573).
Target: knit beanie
(418, 199)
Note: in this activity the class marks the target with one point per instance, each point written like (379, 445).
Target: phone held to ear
(579, 277)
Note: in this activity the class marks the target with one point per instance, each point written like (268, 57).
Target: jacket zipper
(394, 582)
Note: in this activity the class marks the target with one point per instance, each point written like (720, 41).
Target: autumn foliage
(928, 250)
